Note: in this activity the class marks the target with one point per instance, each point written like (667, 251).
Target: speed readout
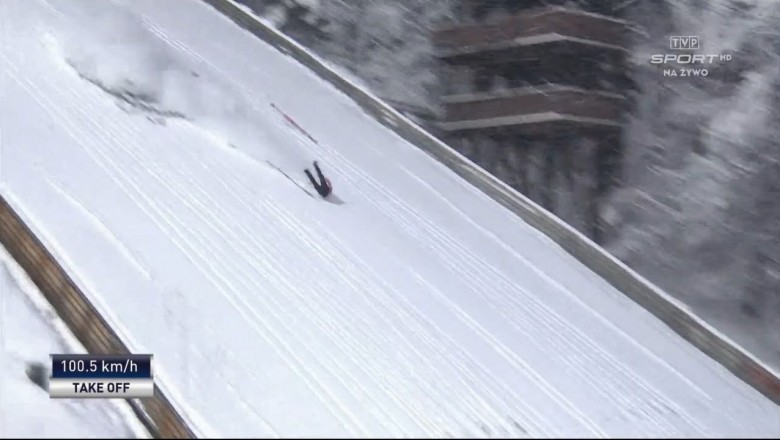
(101, 366)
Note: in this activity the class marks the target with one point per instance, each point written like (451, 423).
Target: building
(535, 94)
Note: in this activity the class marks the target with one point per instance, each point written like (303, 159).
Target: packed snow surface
(158, 150)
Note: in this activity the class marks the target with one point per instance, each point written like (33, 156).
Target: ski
(290, 179)
(294, 124)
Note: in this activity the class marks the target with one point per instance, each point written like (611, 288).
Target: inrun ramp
(158, 150)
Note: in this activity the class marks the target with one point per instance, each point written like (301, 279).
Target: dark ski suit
(323, 187)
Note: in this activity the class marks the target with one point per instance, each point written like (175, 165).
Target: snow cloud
(117, 51)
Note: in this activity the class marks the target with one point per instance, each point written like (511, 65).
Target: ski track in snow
(100, 225)
(468, 345)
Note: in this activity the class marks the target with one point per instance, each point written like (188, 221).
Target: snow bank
(29, 332)
(696, 210)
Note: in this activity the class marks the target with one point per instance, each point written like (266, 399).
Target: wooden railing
(156, 413)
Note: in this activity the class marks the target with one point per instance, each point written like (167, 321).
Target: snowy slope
(29, 334)
(135, 140)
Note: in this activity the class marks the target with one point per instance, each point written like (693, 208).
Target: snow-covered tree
(698, 212)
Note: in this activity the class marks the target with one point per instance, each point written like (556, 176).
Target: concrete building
(535, 94)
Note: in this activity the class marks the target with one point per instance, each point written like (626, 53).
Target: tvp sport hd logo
(684, 59)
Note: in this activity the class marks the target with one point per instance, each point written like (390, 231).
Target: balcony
(542, 26)
(526, 109)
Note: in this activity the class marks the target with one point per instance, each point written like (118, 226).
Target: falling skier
(323, 187)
